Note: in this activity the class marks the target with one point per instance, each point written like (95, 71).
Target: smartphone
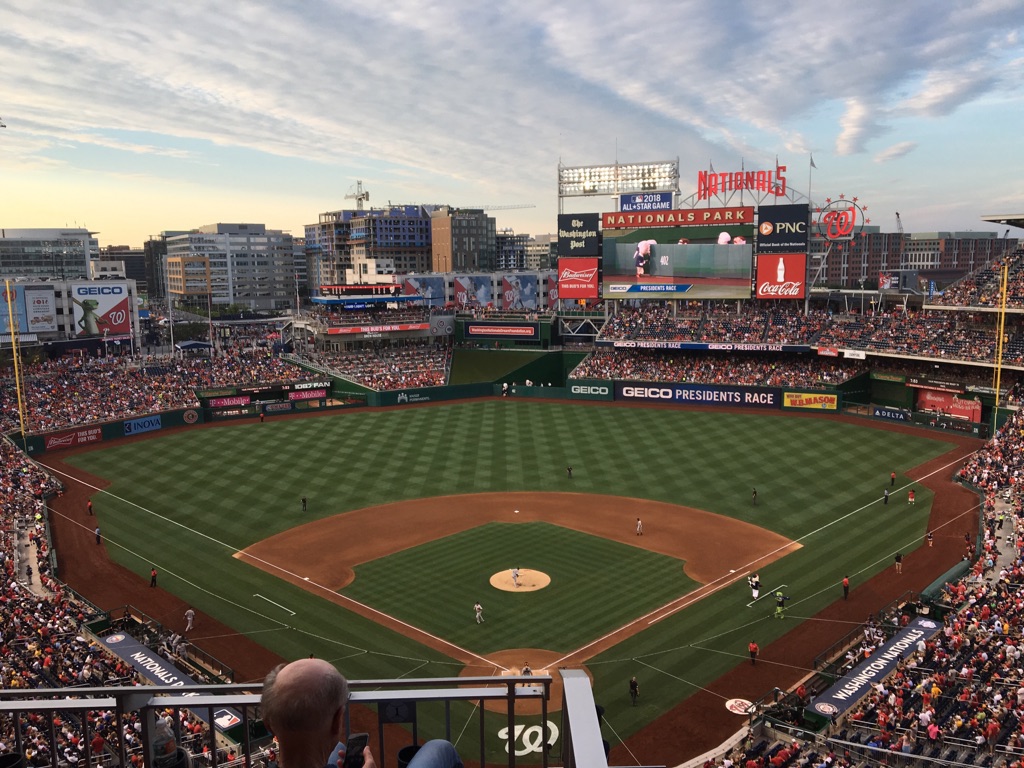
(354, 750)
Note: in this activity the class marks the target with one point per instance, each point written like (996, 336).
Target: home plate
(307, 578)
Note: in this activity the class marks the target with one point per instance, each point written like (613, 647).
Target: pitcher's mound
(529, 580)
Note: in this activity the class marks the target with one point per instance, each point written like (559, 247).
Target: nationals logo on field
(782, 276)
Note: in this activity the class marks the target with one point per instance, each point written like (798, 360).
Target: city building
(132, 260)
(541, 251)
(249, 265)
(58, 254)
(368, 246)
(922, 258)
(462, 240)
(510, 250)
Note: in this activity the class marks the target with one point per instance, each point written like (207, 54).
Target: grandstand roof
(1013, 219)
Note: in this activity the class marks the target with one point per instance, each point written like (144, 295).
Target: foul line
(234, 550)
(257, 594)
(771, 591)
(729, 578)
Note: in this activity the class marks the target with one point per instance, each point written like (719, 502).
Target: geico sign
(99, 290)
(656, 393)
(579, 389)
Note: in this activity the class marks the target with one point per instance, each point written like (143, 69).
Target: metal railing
(45, 720)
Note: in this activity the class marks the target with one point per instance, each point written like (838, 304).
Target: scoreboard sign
(646, 201)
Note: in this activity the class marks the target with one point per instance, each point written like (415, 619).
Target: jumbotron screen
(652, 270)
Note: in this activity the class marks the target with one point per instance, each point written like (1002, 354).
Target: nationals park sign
(688, 217)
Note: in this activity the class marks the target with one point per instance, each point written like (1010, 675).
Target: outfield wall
(36, 445)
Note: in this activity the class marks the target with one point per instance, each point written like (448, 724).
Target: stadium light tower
(617, 178)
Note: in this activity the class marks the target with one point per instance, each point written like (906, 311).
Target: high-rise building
(462, 240)
(540, 251)
(58, 254)
(510, 250)
(249, 265)
(368, 246)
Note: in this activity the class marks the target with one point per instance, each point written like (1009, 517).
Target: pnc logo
(766, 228)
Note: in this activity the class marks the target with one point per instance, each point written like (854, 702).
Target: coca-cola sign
(782, 276)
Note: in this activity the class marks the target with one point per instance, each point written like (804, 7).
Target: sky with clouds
(132, 118)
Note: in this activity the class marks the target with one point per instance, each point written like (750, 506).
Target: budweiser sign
(578, 278)
(781, 276)
(71, 439)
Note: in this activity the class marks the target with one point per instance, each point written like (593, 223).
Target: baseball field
(415, 514)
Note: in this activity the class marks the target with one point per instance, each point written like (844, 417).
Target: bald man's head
(304, 696)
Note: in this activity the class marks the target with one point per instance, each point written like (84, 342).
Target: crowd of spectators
(416, 364)
(945, 336)
(982, 287)
(73, 391)
(766, 370)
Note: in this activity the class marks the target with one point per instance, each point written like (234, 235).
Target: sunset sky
(133, 118)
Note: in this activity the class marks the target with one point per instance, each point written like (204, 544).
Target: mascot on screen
(642, 255)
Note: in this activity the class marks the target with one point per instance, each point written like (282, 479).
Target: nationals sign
(682, 217)
(578, 278)
(781, 276)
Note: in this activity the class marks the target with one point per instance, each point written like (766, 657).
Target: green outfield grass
(585, 571)
(186, 501)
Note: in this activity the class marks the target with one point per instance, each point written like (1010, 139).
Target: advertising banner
(857, 683)
(14, 301)
(931, 382)
(782, 276)
(578, 234)
(783, 228)
(579, 278)
(703, 346)
(552, 290)
(819, 401)
(222, 402)
(310, 394)
(159, 671)
(428, 288)
(145, 424)
(584, 389)
(699, 394)
(645, 201)
(40, 308)
(473, 291)
(949, 404)
(516, 331)
(519, 291)
(650, 270)
(395, 327)
(101, 308)
(688, 217)
(890, 414)
(82, 436)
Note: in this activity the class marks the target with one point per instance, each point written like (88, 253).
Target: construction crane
(497, 207)
(899, 229)
(360, 195)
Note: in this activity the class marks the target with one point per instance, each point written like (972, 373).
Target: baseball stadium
(644, 530)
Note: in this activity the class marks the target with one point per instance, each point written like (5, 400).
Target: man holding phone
(304, 707)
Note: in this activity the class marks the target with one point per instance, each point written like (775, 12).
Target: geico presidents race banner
(819, 401)
(688, 217)
(858, 682)
(484, 330)
(699, 394)
(578, 278)
(781, 276)
(519, 291)
(949, 404)
(101, 308)
(703, 346)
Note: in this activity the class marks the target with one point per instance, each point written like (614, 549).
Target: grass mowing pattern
(213, 491)
(586, 571)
